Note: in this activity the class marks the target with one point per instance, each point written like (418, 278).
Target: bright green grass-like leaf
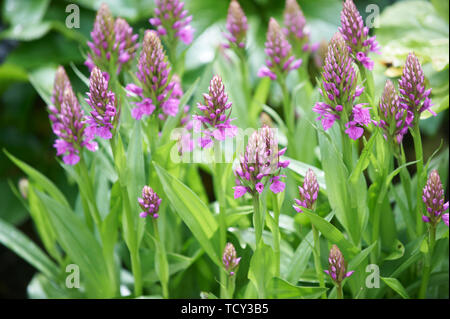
(191, 210)
(396, 286)
(279, 288)
(39, 179)
(25, 248)
(81, 246)
(331, 233)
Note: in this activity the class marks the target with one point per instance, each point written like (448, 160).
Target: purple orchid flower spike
(296, 30)
(394, 120)
(308, 192)
(260, 165)
(280, 60)
(113, 43)
(237, 26)
(413, 96)
(337, 267)
(149, 203)
(213, 120)
(433, 197)
(155, 92)
(68, 123)
(339, 90)
(356, 35)
(230, 259)
(172, 21)
(103, 102)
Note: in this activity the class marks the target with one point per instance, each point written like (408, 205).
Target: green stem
(258, 224)
(231, 284)
(419, 157)
(340, 294)
(317, 263)
(136, 269)
(245, 79)
(347, 149)
(276, 235)
(217, 169)
(163, 265)
(257, 220)
(289, 117)
(367, 77)
(130, 233)
(427, 262)
(405, 179)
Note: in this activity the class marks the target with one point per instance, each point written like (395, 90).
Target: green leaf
(280, 288)
(299, 260)
(81, 246)
(25, 248)
(301, 169)
(331, 233)
(39, 179)
(396, 286)
(191, 210)
(262, 268)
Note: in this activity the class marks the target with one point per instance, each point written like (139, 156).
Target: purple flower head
(445, 219)
(356, 35)
(394, 120)
(237, 26)
(337, 269)
(69, 127)
(125, 44)
(214, 114)
(113, 42)
(339, 90)
(155, 92)
(279, 56)
(149, 203)
(413, 96)
(172, 20)
(260, 165)
(308, 192)
(229, 259)
(433, 197)
(104, 106)
(296, 30)
(59, 86)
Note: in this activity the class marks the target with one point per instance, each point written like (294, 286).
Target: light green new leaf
(191, 209)
(25, 248)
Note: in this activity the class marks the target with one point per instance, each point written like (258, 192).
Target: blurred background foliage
(34, 40)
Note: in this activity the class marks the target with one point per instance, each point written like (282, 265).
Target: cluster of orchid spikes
(156, 94)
